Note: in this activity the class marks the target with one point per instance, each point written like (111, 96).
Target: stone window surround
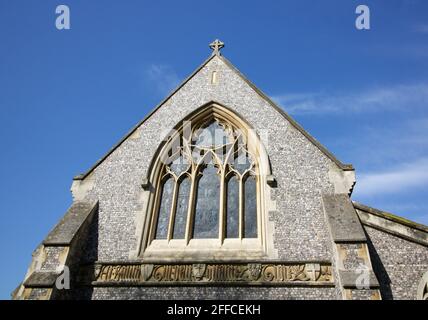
(222, 249)
(422, 293)
(191, 168)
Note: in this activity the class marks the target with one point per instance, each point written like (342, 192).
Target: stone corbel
(271, 181)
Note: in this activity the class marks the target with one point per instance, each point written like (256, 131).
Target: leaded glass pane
(242, 162)
(210, 143)
(181, 211)
(207, 204)
(179, 165)
(212, 135)
(165, 209)
(250, 208)
(232, 220)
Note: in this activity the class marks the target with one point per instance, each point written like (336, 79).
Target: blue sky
(66, 97)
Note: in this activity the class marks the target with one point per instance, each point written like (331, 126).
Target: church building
(219, 194)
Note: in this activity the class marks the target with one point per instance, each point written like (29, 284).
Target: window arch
(211, 170)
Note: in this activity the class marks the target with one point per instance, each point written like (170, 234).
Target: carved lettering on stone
(254, 270)
(146, 271)
(214, 273)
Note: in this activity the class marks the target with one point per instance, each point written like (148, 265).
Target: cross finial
(216, 45)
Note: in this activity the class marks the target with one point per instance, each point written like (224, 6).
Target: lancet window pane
(181, 211)
(165, 209)
(179, 165)
(250, 208)
(207, 205)
(242, 162)
(232, 208)
(212, 135)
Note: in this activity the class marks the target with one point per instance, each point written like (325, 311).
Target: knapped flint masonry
(264, 212)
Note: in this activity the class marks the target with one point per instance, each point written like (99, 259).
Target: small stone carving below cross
(198, 270)
(216, 45)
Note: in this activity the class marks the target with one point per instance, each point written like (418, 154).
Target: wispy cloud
(421, 28)
(393, 180)
(162, 77)
(399, 97)
(373, 142)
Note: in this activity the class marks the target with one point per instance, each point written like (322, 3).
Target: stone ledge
(209, 274)
(295, 284)
(343, 220)
(41, 279)
(64, 232)
(349, 279)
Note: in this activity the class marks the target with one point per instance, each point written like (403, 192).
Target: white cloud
(374, 144)
(421, 28)
(162, 77)
(400, 97)
(392, 153)
(395, 180)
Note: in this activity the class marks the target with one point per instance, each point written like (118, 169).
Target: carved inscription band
(200, 273)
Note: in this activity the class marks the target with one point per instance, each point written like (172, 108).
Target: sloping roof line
(290, 119)
(84, 175)
(391, 217)
(257, 90)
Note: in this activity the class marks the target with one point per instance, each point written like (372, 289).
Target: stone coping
(41, 279)
(343, 221)
(390, 216)
(66, 229)
(392, 224)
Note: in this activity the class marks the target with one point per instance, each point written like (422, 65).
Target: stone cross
(216, 45)
(313, 270)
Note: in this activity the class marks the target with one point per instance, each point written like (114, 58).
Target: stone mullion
(222, 211)
(241, 208)
(173, 211)
(191, 205)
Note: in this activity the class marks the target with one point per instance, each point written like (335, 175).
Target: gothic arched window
(214, 164)
(207, 190)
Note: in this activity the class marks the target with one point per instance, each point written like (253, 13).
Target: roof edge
(345, 167)
(117, 145)
(74, 219)
(391, 217)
